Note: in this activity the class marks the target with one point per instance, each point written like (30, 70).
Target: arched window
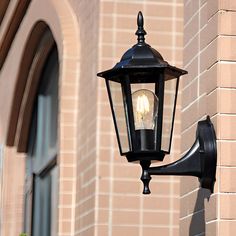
(41, 198)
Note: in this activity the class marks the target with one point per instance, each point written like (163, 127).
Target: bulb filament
(142, 108)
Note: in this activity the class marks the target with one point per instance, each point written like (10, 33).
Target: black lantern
(142, 90)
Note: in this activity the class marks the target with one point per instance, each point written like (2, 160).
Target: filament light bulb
(145, 106)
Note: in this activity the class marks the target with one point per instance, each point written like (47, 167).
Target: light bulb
(145, 107)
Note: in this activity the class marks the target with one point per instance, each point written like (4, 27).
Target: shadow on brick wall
(198, 223)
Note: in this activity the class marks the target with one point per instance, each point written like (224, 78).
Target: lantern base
(199, 161)
(151, 156)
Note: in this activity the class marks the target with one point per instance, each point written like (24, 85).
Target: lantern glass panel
(170, 95)
(119, 115)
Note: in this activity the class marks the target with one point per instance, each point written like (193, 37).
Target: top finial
(140, 20)
(140, 31)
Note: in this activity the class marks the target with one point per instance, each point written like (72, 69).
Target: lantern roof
(141, 56)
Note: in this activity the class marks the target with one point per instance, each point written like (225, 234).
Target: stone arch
(38, 45)
(47, 28)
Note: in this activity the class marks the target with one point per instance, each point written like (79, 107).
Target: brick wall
(196, 96)
(209, 56)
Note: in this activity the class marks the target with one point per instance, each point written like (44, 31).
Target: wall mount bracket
(199, 161)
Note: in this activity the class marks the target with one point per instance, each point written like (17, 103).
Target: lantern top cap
(141, 56)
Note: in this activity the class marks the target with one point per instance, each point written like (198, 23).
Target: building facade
(60, 168)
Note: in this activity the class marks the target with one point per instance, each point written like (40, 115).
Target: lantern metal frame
(143, 64)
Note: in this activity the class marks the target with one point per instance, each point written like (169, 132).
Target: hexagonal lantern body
(142, 90)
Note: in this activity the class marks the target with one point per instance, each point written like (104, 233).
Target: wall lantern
(142, 90)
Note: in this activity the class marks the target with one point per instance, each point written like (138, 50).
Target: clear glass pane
(45, 197)
(168, 112)
(52, 94)
(42, 151)
(45, 204)
(120, 116)
(46, 112)
(41, 206)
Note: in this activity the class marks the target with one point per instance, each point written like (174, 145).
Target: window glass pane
(42, 206)
(53, 114)
(120, 116)
(47, 113)
(32, 138)
(51, 94)
(168, 112)
(36, 208)
(42, 153)
(45, 192)
(41, 142)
